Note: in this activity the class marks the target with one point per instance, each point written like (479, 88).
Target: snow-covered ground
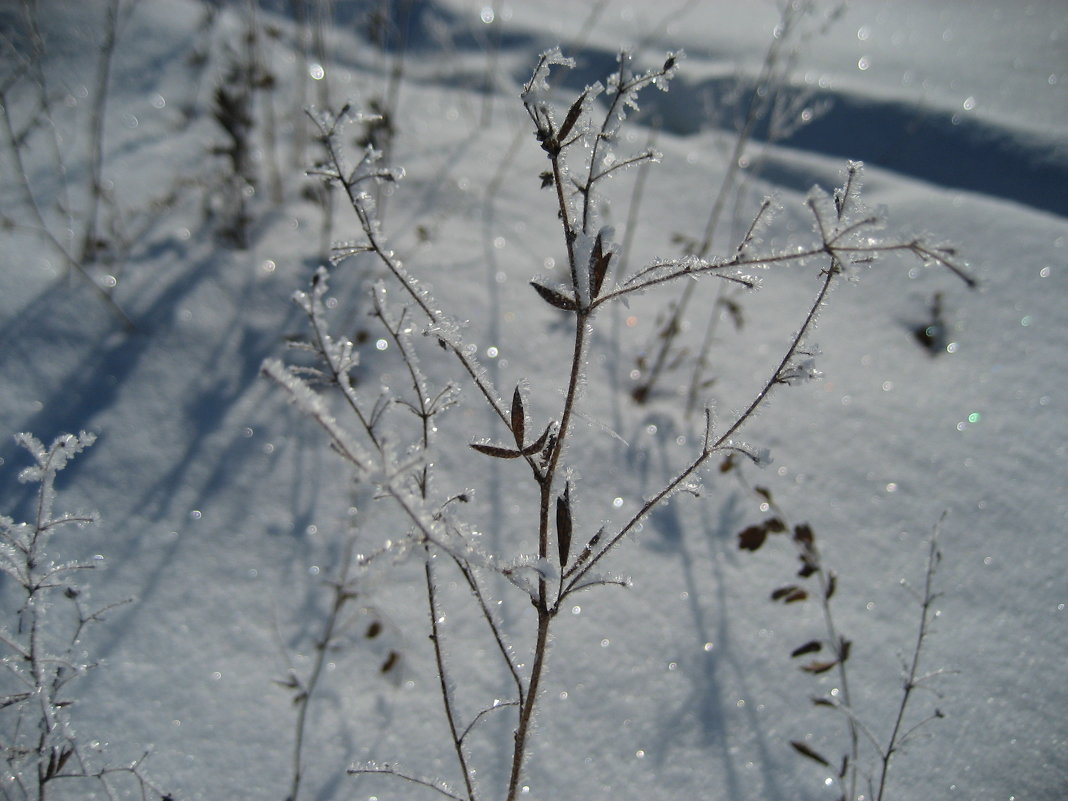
(224, 513)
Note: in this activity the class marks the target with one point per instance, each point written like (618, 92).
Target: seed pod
(810, 647)
(538, 444)
(563, 525)
(752, 538)
(518, 419)
(587, 552)
(572, 116)
(554, 298)
(599, 261)
(495, 451)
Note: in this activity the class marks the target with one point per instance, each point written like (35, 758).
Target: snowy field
(228, 520)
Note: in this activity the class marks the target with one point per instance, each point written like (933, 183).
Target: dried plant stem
(546, 478)
(91, 238)
(36, 67)
(590, 257)
(301, 63)
(495, 630)
(265, 80)
(386, 770)
(42, 228)
(425, 410)
(634, 207)
(763, 97)
(390, 102)
(489, 80)
(43, 651)
(306, 689)
(526, 714)
(913, 679)
(697, 379)
(839, 645)
(439, 660)
(368, 224)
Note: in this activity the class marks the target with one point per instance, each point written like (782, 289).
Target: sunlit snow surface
(224, 513)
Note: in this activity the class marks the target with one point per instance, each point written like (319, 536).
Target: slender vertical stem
(260, 77)
(546, 610)
(760, 99)
(391, 100)
(341, 596)
(911, 679)
(299, 137)
(30, 12)
(526, 714)
(837, 643)
(439, 659)
(96, 131)
(489, 81)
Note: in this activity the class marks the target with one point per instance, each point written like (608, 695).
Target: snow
(224, 512)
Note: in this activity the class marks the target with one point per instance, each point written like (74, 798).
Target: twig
(912, 678)
(42, 226)
(306, 689)
(90, 240)
(388, 771)
(439, 660)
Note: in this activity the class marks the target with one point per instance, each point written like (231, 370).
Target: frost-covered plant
(41, 641)
(767, 104)
(79, 237)
(389, 442)
(831, 651)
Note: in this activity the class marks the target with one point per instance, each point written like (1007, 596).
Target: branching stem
(912, 678)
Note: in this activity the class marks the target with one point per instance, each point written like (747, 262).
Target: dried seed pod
(587, 552)
(599, 261)
(789, 594)
(810, 647)
(554, 298)
(752, 538)
(538, 444)
(563, 525)
(573, 114)
(518, 419)
(495, 451)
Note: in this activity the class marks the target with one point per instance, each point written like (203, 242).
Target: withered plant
(390, 442)
(80, 222)
(768, 109)
(830, 653)
(43, 644)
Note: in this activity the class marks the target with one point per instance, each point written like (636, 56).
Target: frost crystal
(537, 88)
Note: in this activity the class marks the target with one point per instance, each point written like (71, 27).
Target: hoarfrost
(312, 404)
(537, 88)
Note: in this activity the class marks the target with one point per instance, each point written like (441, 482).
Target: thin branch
(485, 712)
(388, 771)
(390, 261)
(934, 556)
(498, 637)
(710, 446)
(42, 226)
(342, 595)
(96, 130)
(446, 692)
